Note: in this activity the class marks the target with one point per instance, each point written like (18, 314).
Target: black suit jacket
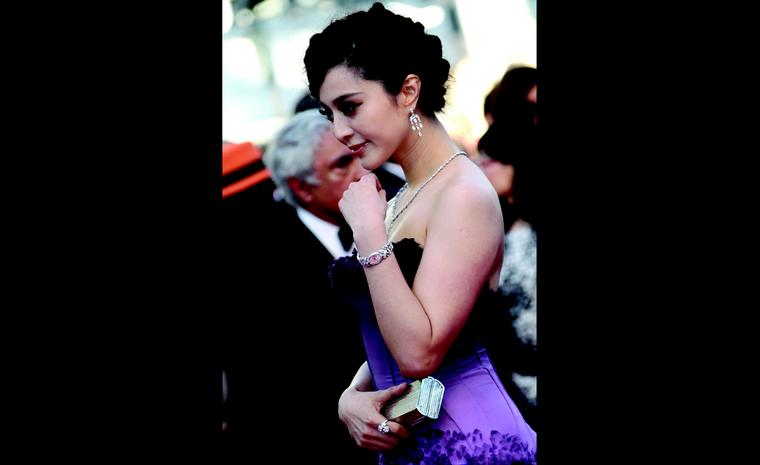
(292, 347)
(390, 182)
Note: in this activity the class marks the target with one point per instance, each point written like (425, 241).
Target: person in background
(507, 151)
(246, 204)
(241, 168)
(428, 261)
(290, 298)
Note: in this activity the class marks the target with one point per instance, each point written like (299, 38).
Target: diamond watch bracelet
(376, 257)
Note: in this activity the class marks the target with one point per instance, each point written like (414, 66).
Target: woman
(507, 152)
(428, 261)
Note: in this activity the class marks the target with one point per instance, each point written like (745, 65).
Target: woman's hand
(363, 205)
(360, 412)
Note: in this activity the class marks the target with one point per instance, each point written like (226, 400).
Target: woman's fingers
(378, 441)
(398, 430)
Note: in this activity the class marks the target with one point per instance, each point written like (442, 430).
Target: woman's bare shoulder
(469, 188)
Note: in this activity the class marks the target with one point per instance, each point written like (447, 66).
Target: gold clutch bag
(422, 400)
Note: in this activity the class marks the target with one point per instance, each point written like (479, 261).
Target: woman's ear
(410, 92)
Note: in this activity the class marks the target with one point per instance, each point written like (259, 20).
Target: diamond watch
(376, 257)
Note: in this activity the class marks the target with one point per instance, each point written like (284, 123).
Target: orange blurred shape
(240, 156)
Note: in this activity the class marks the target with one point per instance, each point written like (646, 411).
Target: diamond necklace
(394, 215)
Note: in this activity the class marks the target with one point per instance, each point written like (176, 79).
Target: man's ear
(410, 92)
(301, 189)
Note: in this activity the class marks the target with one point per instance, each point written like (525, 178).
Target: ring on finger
(383, 427)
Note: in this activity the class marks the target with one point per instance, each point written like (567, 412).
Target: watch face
(375, 259)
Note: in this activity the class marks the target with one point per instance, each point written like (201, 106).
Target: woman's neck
(423, 155)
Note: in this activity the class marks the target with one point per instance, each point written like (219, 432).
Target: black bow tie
(346, 237)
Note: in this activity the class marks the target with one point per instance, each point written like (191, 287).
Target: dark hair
(489, 103)
(510, 101)
(513, 131)
(512, 138)
(306, 102)
(381, 46)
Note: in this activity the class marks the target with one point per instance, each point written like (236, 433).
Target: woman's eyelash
(348, 108)
(326, 113)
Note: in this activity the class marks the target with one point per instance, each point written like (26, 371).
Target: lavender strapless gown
(478, 423)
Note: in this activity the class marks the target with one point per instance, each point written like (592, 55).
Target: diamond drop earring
(415, 122)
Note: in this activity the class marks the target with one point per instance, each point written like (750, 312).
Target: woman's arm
(362, 379)
(464, 237)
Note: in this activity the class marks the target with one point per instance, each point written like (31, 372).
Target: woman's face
(336, 169)
(364, 116)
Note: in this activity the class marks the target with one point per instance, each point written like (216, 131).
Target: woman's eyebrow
(344, 97)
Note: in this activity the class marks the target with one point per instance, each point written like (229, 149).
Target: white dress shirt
(327, 233)
(394, 168)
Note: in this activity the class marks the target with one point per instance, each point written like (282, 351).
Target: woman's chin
(370, 162)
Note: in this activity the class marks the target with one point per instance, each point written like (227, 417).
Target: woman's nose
(341, 130)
